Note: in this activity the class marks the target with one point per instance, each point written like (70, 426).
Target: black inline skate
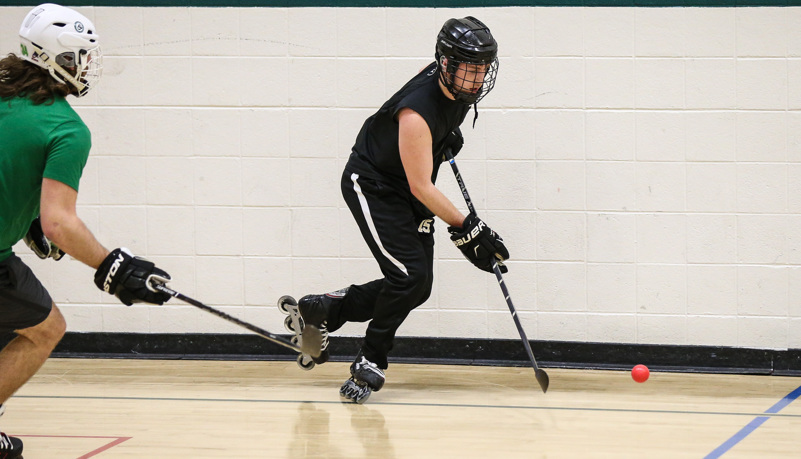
(10, 447)
(365, 378)
(312, 310)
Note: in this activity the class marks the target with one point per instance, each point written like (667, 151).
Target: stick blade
(312, 341)
(542, 378)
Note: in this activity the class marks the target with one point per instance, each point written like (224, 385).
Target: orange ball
(640, 373)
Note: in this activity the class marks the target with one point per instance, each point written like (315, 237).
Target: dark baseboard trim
(461, 351)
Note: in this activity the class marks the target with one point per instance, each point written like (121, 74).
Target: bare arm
(414, 141)
(61, 224)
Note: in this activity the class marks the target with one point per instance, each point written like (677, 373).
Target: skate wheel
(351, 392)
(285, 302)
(305, 362)
(289, 325)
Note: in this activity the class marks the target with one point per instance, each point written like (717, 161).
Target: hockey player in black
(388, 184)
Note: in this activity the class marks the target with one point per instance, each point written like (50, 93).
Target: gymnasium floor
(107, 409)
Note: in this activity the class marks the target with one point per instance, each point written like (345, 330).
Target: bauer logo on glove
(479, 244)
(471, 235)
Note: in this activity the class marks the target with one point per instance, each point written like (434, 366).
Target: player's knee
(419, 285)
(49, 332)
(58, 327)
(426, 290)
(424, 297)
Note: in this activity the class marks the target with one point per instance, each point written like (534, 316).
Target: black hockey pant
(402, 241)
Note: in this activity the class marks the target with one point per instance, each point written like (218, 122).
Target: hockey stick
(310, 344)
(539, 373)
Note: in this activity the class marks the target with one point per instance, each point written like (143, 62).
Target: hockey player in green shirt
(44, 146)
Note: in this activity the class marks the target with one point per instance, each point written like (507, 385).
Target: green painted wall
(417, 3)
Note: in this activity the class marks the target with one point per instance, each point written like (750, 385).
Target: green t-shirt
(36, 141)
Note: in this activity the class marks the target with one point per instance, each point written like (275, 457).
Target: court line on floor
(437, 405)
(754, 424)
(116, 441)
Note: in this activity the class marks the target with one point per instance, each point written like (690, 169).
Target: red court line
(111, 444)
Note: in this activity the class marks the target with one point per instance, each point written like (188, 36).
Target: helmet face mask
(466, 81)
(467, 55)
(63, 42)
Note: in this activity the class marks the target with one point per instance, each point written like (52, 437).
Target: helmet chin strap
(59, 73)
(448, 83)
(55, 68)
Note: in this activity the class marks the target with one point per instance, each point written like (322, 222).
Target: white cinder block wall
(643, 165)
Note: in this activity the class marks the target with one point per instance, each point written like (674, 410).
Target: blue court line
(752, 426)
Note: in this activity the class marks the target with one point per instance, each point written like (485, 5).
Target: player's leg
(329, 311)
(26, 353)
(389, 225)
(27, 309)
(324, 311)
(392, 306)
(358, 302)
(403, 248)
(368, 375)
(350, 304)
(399, 295)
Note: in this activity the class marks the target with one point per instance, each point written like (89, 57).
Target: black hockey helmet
(467, 41)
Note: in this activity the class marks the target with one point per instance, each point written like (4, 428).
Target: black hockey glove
(479, 243)
(38, 242)
(127, 277)
(455, 142)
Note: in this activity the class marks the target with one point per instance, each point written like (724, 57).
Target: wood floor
(108, 409)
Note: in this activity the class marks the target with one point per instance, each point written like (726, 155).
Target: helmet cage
(459, 86)
(82, 73)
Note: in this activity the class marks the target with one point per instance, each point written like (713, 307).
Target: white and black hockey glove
(39, 244)
(127, 277)
(479, 244)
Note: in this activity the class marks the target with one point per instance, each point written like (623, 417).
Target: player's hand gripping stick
(539, 373)
(310, 344)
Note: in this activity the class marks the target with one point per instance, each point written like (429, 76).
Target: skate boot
(294, 323)
(365, 377)
(10, 447)
(312, 310)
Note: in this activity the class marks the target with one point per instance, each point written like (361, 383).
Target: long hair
(20, 78)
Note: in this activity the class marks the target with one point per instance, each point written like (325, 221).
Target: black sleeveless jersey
(376, 153)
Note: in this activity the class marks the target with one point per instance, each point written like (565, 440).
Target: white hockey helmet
(65, 43)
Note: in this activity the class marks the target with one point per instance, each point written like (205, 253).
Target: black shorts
(24, 302)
